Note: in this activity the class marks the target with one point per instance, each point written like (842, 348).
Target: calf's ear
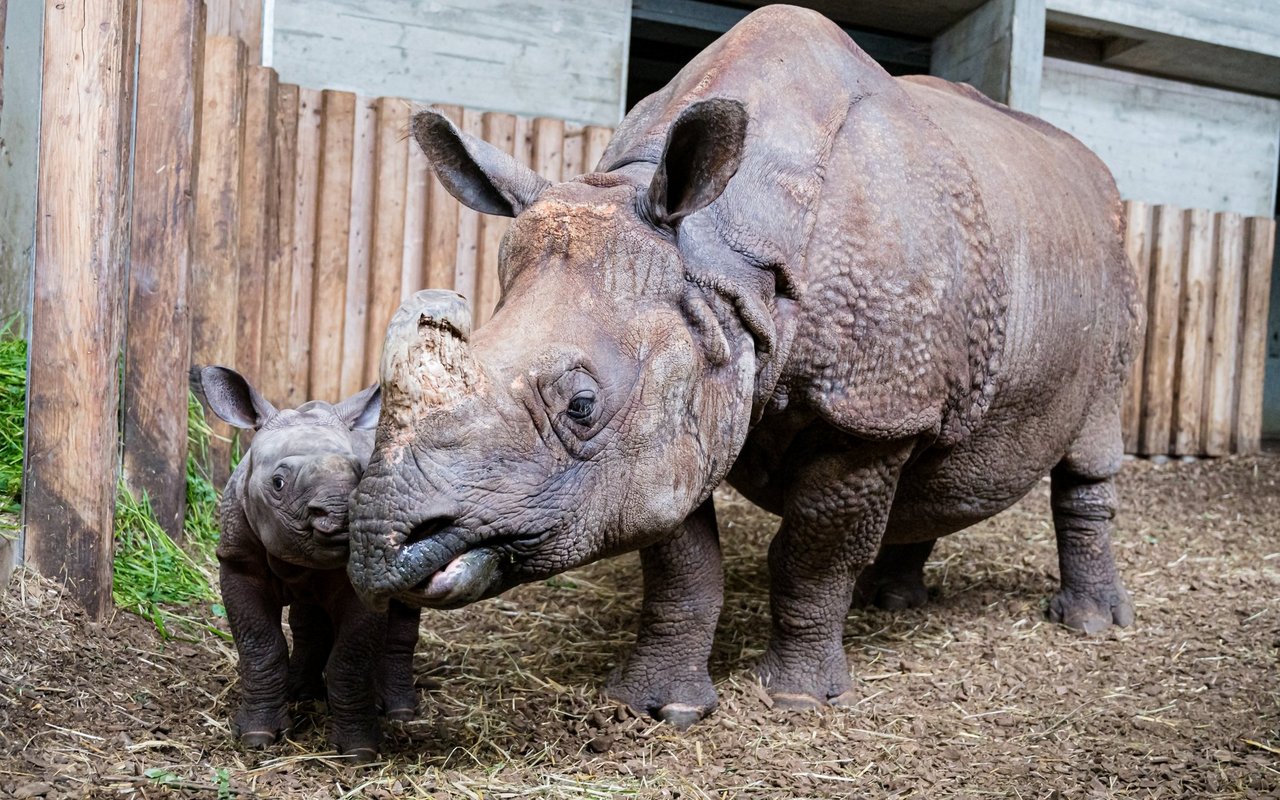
(478, 174)
(232, 398)
(703, 151)
(360, 410)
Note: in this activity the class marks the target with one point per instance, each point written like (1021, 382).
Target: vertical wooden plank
(359, 249)
(278, 301)
(499, 131)
(391, 190)
(82, 237)
(1260, 241)
(413, 272)
(1193, 328)
(1220, 390)
(241, 19)
(257, 171)
(442, 225)
(215, 263)
(595, 140)
(548, 148)
(573, 152)
(306, 197)
(1137, 244)
(468, 247)
(158, 348)
(332, 231)
(1162, 331)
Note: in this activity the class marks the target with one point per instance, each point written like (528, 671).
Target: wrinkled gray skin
(880, 308)
(284, 539)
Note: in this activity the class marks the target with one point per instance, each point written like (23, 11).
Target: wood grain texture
(275, 381)
(1193, 331)
(442, 225)
(499, 131)
(467, 251)
(257, 173)
(1163, 305)
(306, 196)
(332, 234)
(82, 236)
(158, 348)
(1137, 244)
(413, 271)
(1224, 349)
(391, 177)
(548, 148)
(241, 19)
(1259, 252)
(215, 272)
(595, 140)
(359, 249)
(573, 165)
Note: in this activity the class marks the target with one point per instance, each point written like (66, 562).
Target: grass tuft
(13, 392)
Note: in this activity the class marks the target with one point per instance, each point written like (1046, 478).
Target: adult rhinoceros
(881, 308)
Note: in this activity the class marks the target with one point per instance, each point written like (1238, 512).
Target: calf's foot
(260, 727)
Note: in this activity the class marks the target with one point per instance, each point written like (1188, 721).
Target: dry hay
(974, 696)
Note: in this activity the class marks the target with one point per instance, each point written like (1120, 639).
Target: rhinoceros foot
(666, 695)
(798, 683)
(889, 592)
(1092, 611)
(358, 742)
(260, 728)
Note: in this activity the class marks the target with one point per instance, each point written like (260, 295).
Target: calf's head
(607, 396)
(298, 475)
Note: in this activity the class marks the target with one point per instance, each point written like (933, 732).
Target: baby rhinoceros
(284, 543)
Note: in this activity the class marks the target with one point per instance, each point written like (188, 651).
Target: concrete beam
(998, 49)
(19, 140)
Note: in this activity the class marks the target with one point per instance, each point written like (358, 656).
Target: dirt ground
(974, 696)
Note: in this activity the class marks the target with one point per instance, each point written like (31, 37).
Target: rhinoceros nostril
(426, 529)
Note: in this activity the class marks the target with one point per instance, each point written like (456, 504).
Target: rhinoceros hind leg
(1083, 496)
(895, 580)
(312, 640)
(666, 674)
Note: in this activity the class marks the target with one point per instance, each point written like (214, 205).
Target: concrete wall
(997, 49)
(559, 58)
(19, 129)
(1170, 142)
(1252, 25)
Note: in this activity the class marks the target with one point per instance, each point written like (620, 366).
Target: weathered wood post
(170, 61)
(81, 240)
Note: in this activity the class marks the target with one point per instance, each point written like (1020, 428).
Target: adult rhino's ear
(360, 410)
(232, 398)
(478, 174)
(703, 151)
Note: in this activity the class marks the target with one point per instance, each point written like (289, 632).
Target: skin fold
(284, 543)
(881, 308)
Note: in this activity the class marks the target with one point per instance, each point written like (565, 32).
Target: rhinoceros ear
(231, 397)
(360, 410)
(703, 151)
(478, 174)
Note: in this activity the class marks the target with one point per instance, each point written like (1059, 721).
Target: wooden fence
(1196, 384)
(275, 228)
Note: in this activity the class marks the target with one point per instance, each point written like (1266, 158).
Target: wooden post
(241, 19)
(278, 299)
(413, 270)
(158, 349)
(257, 227)
(306, 200)
(468, 246)
(595, 140)
(573, 155)
(442, 226)
(1220, 391)
(391, 183)
(1162, 331)
(499, 131)
(1137, 244)
(1193, 327)
(355, 318)
(548, 148)
(82, 236)
(215, 263)
(333, 228)
(1260, 240)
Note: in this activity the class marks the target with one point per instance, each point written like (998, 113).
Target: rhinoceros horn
(426, 360)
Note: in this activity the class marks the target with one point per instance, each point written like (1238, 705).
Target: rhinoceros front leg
(254, 616)
(666, 673)
(833, 521)
(350, 673)
(395, 678)
(312, 640)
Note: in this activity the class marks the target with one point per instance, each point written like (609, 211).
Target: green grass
(152, 575)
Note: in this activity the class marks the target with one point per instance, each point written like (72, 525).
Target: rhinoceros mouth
(468, 577)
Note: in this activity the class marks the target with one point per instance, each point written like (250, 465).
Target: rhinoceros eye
(581, 406)
(277, 482)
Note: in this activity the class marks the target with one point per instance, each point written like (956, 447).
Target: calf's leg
(312, 640)
(395, 678)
